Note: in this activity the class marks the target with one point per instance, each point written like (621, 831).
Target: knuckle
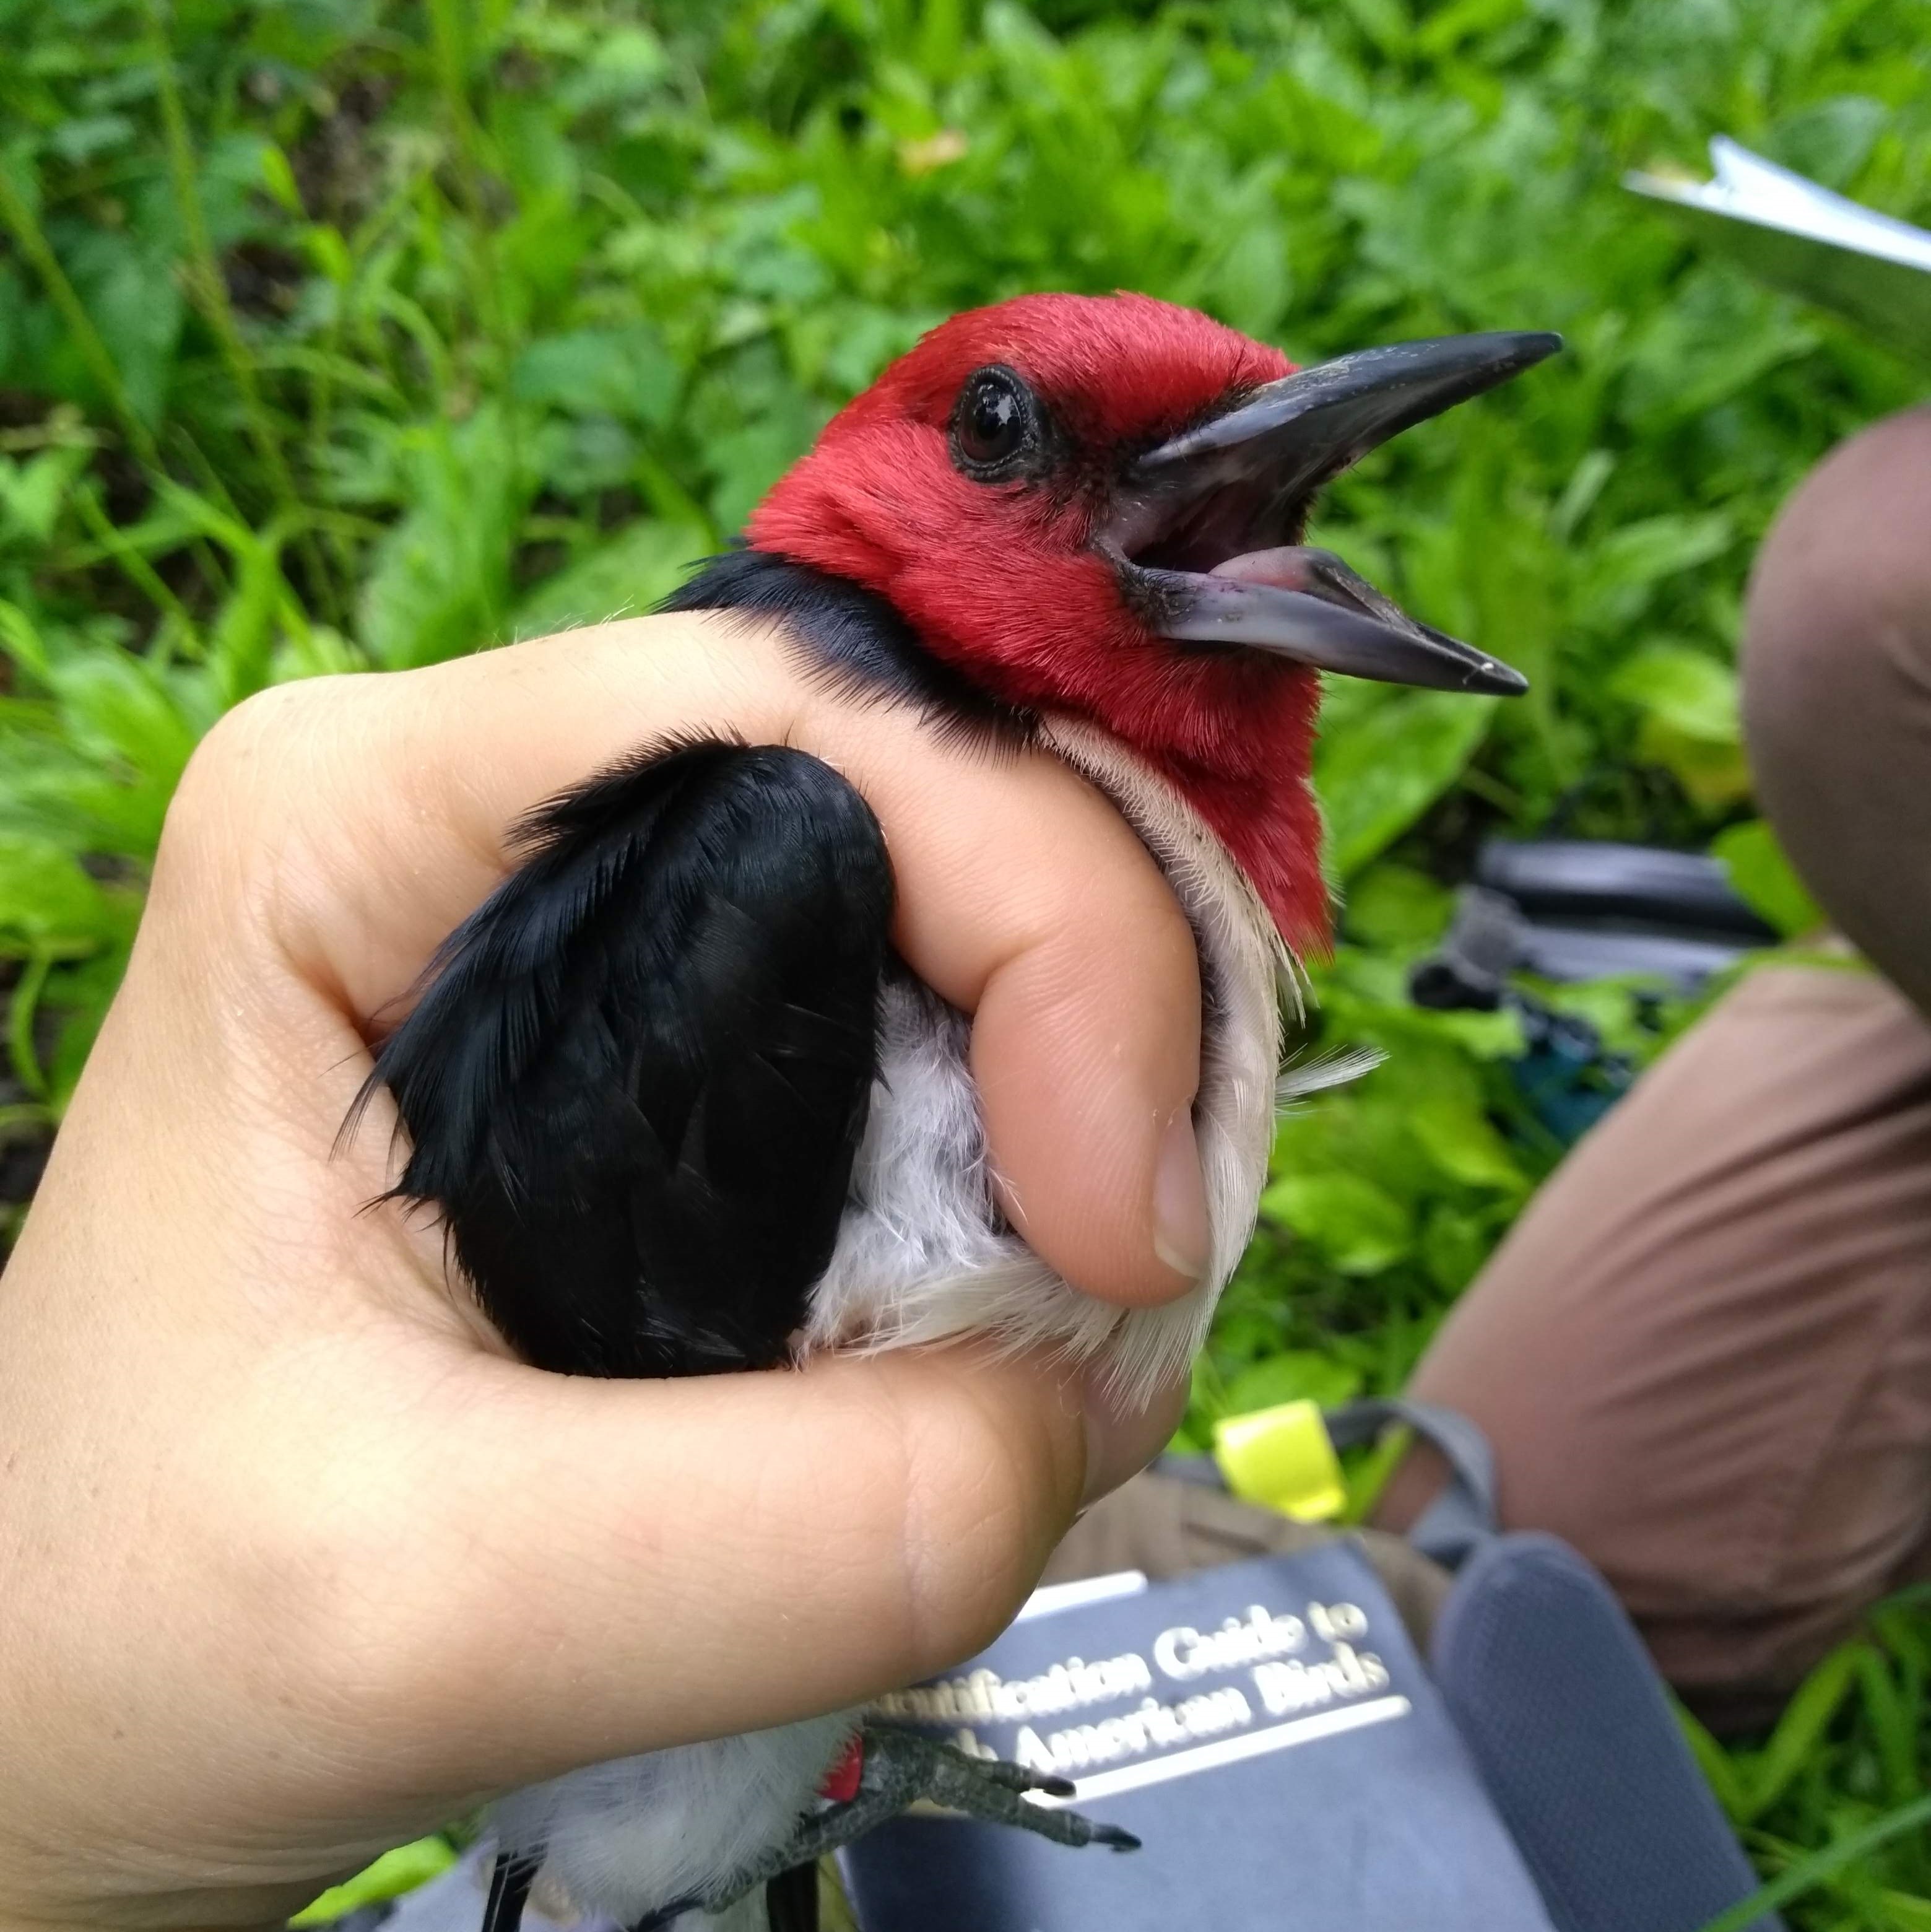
(254, 756)
(244, 746)
(251, 733)
(982, 1478)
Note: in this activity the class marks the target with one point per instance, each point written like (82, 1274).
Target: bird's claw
(900, 1768)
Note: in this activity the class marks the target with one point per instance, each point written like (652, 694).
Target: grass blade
(1813, 1869)
(18, 214)
(1800, 1729)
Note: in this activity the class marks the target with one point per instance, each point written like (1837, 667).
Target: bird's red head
(1093, 506)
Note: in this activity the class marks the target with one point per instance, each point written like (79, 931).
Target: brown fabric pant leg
(1704, 1355)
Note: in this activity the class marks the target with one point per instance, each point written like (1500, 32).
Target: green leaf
(1462, 1142)
(21, 640)
(1638, 555)
(129, 290)
(1439, 1094)
(1454, 1245)
(31, 493)
(1765, 879)
(620, 372)
(1252, 283)
(1294, 1375)
(65, 796)
(1496, 1035)
(748, 461)
(117, 708)
(46, 899)
(1358, 1228)
(278, 177)
(1692, 723)
(80, 141)
(1397, 907)
(242, 642)
(1830, 140)
(629, 575)
(93, 770)
(1379, 768)
(319, 652)
(1687, 690)
(440, 586)
(627, 62)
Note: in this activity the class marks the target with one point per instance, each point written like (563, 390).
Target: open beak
(1204, 530)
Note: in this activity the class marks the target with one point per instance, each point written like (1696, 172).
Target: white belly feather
(923, 1254)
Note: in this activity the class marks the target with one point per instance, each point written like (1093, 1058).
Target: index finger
(1023, 898)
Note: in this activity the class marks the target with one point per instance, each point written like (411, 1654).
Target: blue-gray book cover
(1266, 1729)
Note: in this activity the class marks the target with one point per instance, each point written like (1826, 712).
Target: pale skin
(295, 1562)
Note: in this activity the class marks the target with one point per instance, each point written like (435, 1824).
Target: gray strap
(1464, 1515)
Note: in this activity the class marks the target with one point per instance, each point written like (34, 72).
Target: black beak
(1224, 486)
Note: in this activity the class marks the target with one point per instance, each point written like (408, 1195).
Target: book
(1872, 269)
(1267, 1730)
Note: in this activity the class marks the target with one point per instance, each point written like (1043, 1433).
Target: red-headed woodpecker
(684, 1109)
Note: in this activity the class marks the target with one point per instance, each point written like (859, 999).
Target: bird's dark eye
(995, 424)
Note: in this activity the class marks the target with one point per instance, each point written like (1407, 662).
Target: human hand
(295, 1561)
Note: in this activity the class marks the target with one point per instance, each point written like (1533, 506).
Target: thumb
(629, 1565)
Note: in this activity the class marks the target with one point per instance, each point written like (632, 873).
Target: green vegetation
(341, 334)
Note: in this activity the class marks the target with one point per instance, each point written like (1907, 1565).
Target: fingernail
(1122, 1437)
(1181, 1238)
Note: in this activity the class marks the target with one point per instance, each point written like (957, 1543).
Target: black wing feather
(637, 1080)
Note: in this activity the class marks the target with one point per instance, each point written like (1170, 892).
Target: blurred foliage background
(345, 334)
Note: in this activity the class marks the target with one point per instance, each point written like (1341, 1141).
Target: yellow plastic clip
(1282, 1457)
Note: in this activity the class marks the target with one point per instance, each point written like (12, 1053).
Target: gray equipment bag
(1562, 1711)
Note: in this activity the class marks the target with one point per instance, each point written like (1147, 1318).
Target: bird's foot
(899, 1768)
